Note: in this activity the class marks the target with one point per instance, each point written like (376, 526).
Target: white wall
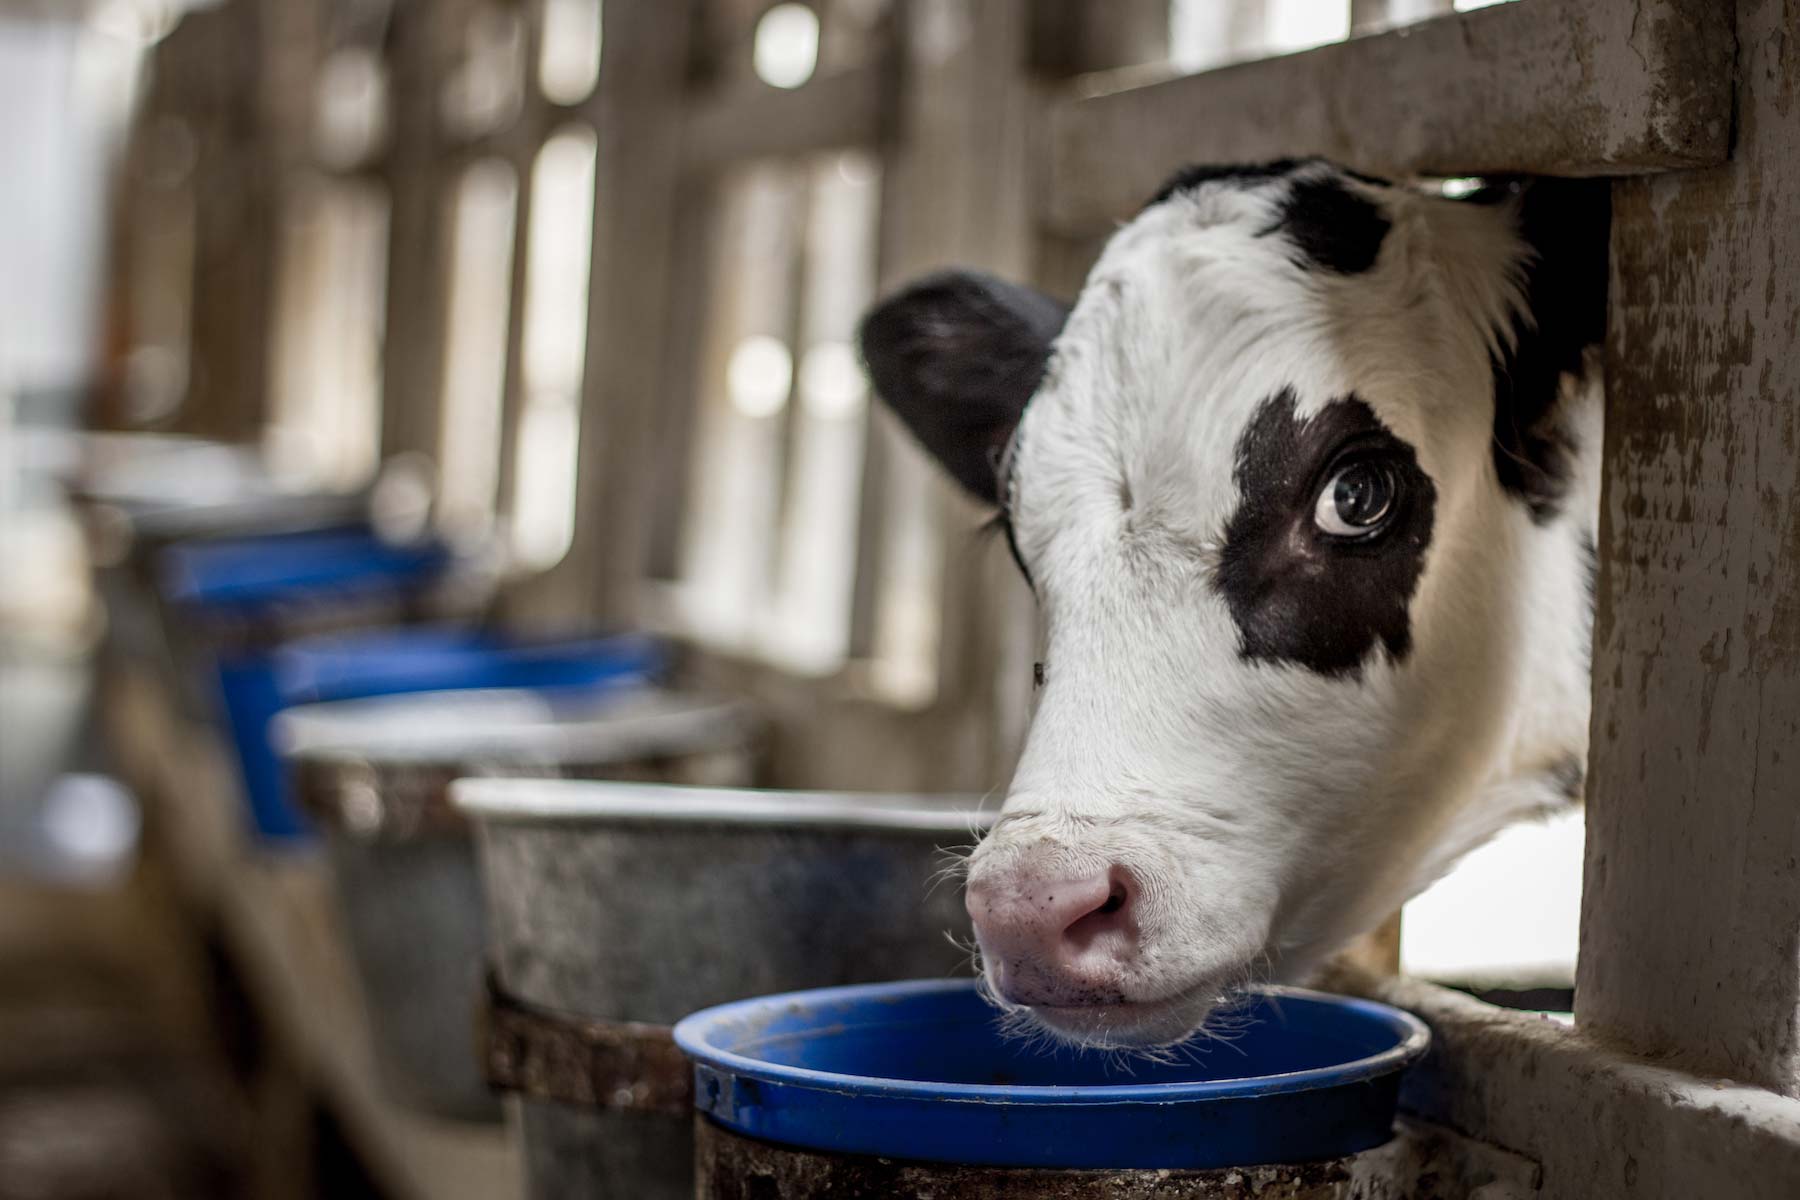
(65, 90)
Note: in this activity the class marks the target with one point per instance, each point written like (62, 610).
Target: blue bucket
(243, 581)
(922, 1071)
(397, 661)
(255, 576)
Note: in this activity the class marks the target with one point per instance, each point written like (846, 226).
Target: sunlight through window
(759, 376)
(555, 350)
(325, 370)
(569, 64)
(786, 48)
(832, 387)
(475, 346)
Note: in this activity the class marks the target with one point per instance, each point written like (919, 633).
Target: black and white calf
(1305, 483)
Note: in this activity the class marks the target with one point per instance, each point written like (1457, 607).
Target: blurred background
(550, 300)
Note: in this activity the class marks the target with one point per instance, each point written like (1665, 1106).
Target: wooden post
(637, 114)
(418, 273)
(1691, 911)
(218, 59)
(955, 192)
(522, 141)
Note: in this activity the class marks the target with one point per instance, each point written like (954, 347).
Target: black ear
(957, 356)
(1566, 223)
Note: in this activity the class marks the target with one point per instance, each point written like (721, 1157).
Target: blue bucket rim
(1413, 1039)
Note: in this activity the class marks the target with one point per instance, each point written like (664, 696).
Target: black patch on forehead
(1248, 174)
(1331, 226)
(1297, 595)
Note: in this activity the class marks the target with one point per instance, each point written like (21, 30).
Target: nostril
(1109, 916)
(1115, 899)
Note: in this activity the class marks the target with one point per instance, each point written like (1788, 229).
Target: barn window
(350, 120)
(786, 46)
(555, 345)
(1204, 33)
(768, 564)
(475, 345)
(569, 62)
(325, 404)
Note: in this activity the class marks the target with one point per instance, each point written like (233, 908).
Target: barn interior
(472, 353)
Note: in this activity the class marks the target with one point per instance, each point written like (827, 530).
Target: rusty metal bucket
(375, 775)
(616, 909)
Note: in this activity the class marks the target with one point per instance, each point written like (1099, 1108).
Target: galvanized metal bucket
(617, 909)
(375, 776)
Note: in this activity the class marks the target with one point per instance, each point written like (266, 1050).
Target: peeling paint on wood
(1691, 912)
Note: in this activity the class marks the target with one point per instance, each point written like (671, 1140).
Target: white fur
(1268, 813)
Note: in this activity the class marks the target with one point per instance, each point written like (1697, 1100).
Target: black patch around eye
(1332, 227)
(1297, 595)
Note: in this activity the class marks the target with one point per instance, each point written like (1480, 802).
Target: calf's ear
(957, 356)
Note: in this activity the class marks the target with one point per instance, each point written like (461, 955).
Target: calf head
(1292, 482)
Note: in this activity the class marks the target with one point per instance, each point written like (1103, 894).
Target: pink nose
(1051, 940)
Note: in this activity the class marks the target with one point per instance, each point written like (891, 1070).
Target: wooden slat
(1560, 87)
(524, 139)
(1691, 908)
(752, 120)
(418, 270)
(954, 190)
(213, 66)
(637, 110)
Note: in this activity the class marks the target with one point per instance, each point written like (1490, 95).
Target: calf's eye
(1357, 501)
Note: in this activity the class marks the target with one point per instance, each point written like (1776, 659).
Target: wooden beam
(750, 121)
(1559, 87)
(1690, 944)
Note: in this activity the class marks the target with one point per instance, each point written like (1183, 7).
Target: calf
(1305, 484)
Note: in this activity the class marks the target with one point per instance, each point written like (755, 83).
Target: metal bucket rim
(328, 733)
(608, 803)
(1413, 1038)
